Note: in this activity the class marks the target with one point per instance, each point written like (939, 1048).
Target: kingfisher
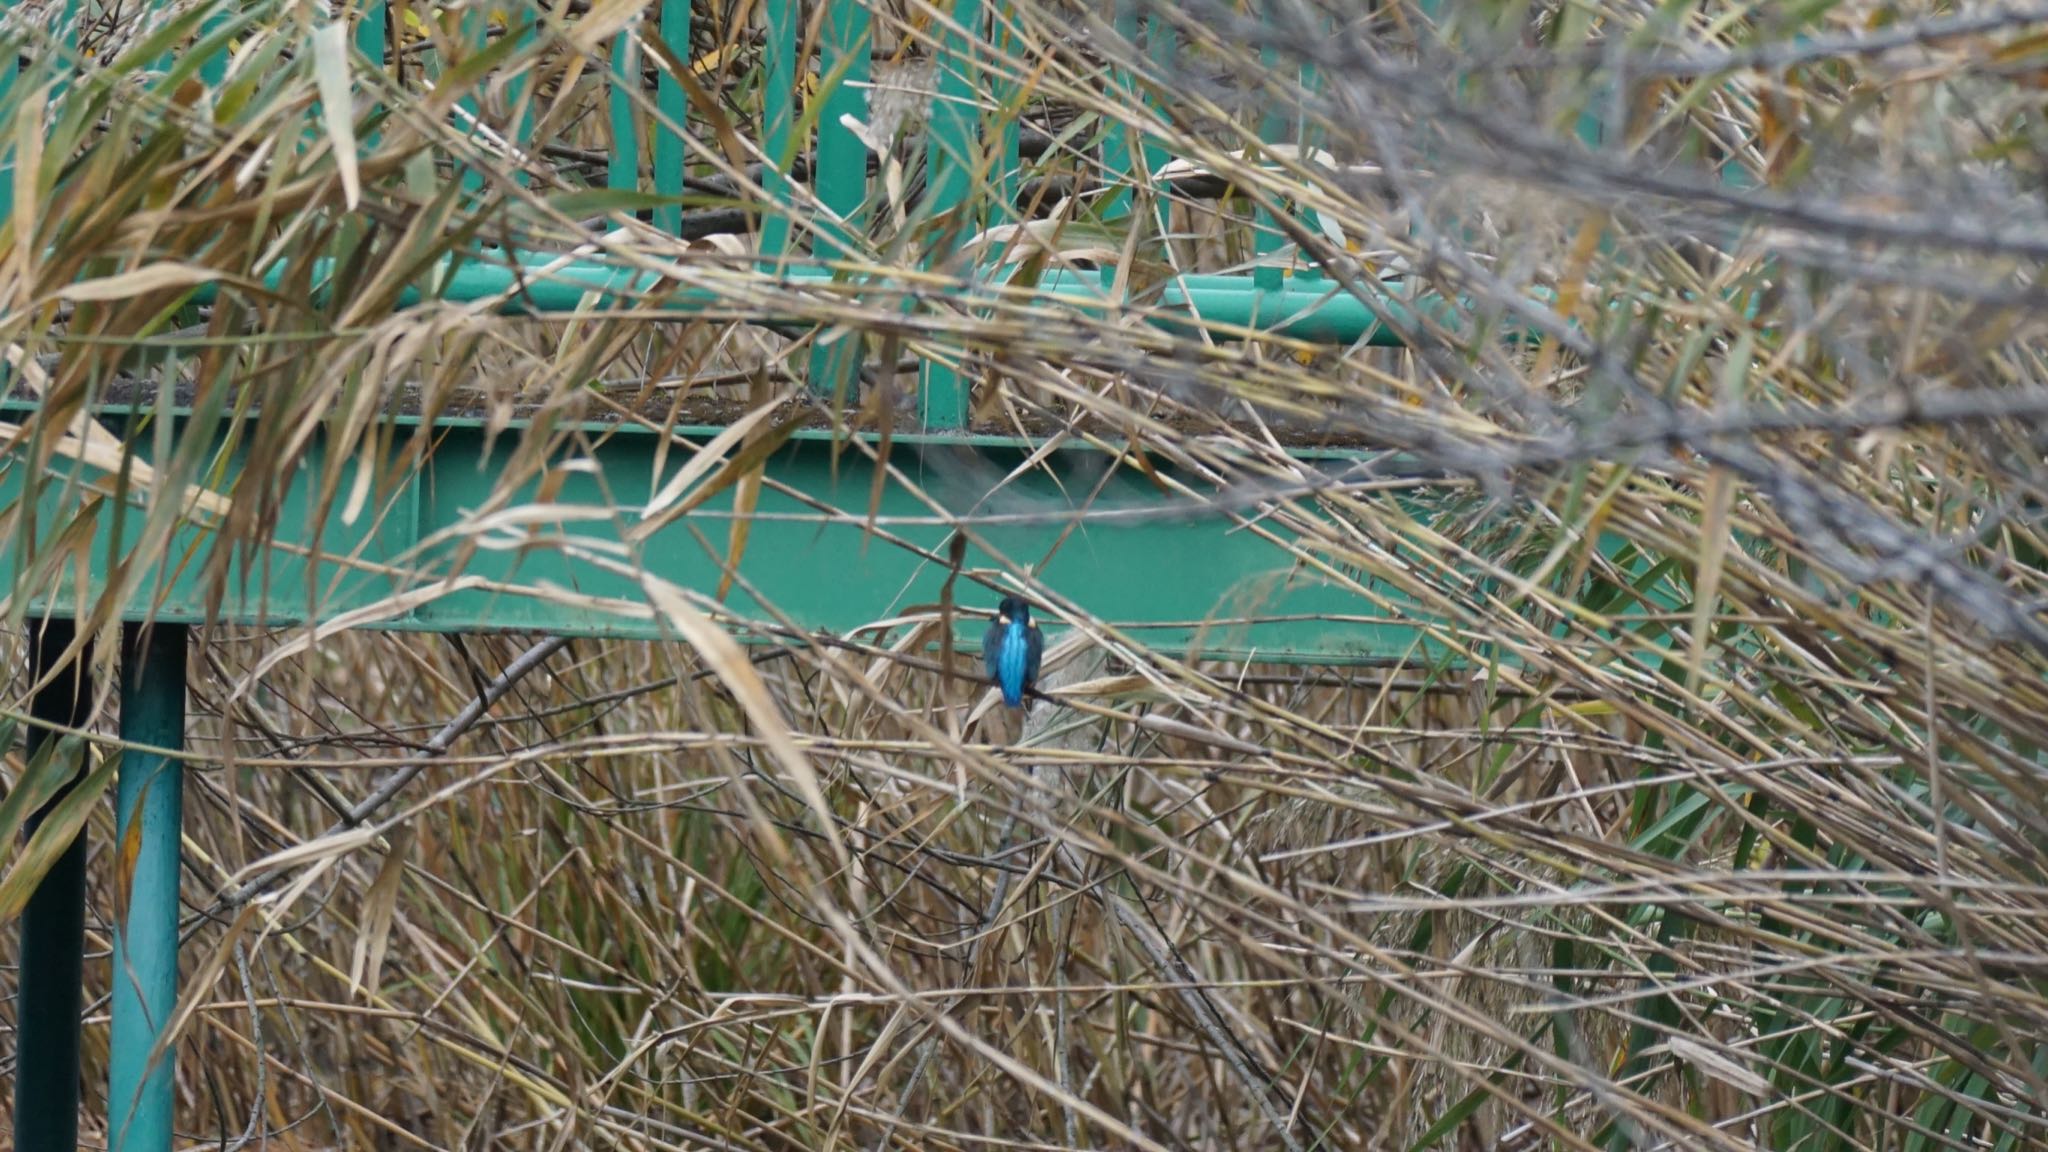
(1012, 649)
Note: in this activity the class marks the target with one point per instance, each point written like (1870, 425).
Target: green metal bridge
(839, 540)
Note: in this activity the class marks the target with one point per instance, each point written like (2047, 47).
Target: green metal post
(149, 808)
(673, 104)
(67, 53)
(473, 32)
(1124, 151)
(778, 127)
(369, 35)
(46, 1002)
(622, 172)
(522, 24)
(954, 148)
(840, 175)
(42, 66)
(952, 159)
(370, 41)
(1266, 237)
(1005, 50)
(10, 62)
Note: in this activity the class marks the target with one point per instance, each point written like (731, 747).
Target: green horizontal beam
(1179, 578)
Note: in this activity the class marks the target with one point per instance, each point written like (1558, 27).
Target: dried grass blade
(379, 905)
(337, 110)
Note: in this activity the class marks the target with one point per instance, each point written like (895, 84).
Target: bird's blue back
(1011, 656)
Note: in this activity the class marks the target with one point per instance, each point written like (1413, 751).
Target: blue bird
(1012, 649)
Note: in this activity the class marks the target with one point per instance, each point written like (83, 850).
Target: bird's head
(1013, 608)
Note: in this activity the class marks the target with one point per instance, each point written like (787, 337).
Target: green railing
(1168, 569)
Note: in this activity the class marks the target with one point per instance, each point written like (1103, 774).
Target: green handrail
(840, 175)
(1302, 307)
(973, 175)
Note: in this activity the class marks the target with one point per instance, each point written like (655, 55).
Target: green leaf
(53, 837)
(51, 765)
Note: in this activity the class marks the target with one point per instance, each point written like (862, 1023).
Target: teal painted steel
(1304, 307)
(370, 41)
(1266, 237)
(10, 67)
(840, 176)
(518, 98)
(1165, 570)
(673, 105)
(47, 996)
(778, 124)
(953, 147)
(1125, 151)
(1004, 95)
(622, 168)
(67, 49)
(473, 35)
(213, 66)
(149, 813)
(15, 83)
(1175, 576)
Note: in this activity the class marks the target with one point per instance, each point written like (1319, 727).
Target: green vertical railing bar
(778, 119)
(213, 71)
(1305, 135)
(954, 149)
(522, 28)
(47, 994)
(1160, 46)
(1266, 238)
(622, 168)
(953, 145)
(149, 815)
(67, 50)
(673, 106)
(370, 32)
(1004, 49)
(11, 75)
(474, 28)
(840, 173)
(9, 67)
(370, 42)
(1125, 151)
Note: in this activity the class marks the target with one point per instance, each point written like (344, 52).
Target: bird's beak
(1002, 617)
